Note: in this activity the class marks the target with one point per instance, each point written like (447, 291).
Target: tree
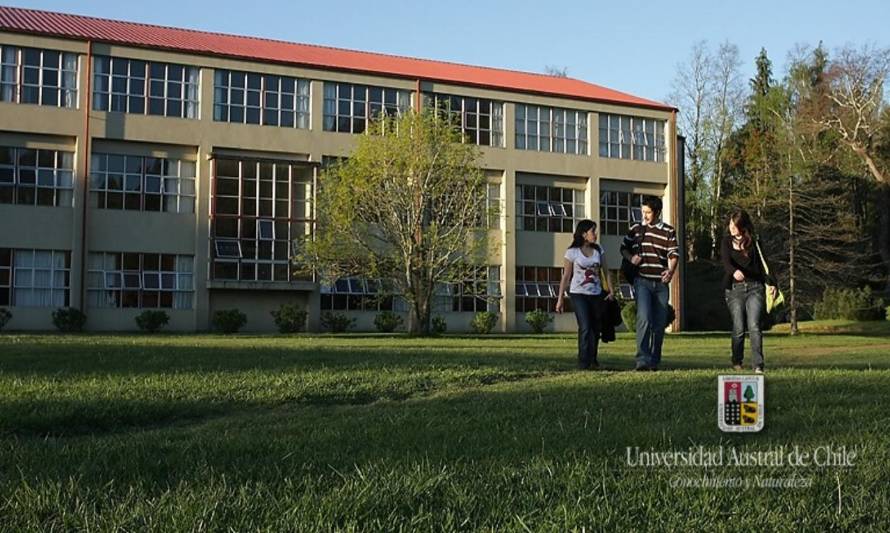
(558, 72)
(692, 94)
(407, 206)
(854, 107)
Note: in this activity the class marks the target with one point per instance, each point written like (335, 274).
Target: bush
(152, 321)
(336, 322)
(69, 320)
(229, 320)
(290, 318)
(850, 304)
(387, 322)
(887, 312)
(438, 325)
(483, 322)
(538, 320)
(629, 316)
(5, 317)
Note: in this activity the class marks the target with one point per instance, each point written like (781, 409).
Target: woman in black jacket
(744, 284)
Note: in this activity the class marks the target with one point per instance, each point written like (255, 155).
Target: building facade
(144, 167)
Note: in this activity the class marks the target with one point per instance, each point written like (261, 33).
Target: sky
(630, 46)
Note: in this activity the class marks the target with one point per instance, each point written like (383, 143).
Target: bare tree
(693, 94)
(558, 72)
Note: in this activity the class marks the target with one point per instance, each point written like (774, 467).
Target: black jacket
(611, 320)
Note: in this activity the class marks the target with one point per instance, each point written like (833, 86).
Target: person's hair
(583, 227)
(742, 221)
(653, 203)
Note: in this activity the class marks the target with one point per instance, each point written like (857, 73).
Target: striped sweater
(658, 245)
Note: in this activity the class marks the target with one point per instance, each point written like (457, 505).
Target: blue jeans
(589, 314)
(746, 302)
(652, 312)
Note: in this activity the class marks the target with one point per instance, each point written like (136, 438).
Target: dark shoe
(594, 366)
(642, 368)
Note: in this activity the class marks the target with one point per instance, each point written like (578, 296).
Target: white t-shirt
(585, 272)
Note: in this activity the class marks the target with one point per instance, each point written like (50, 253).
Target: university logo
(740, 403)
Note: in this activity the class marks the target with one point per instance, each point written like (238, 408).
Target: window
(619, 211)
(31, 176)
(359, 294)
(480, 121)
(140, 280)
(270, 100)
(36, 76)
(553, 209)
(480, 291)
(349, 108)
(538, 288)
(145, 87)
(637, 138)
(259, 209)
(34, 278)
(493, 203)
(551, 129)
(138, 183)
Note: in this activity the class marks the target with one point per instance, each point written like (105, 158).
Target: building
(151, 167)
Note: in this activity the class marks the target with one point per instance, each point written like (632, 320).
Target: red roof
(31, 21)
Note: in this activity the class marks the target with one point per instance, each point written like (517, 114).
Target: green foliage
(850, 304)
(152, 320)
(629, 315)
(538, 320)
(229, 320)
(438, 325)
(387, 322)
(407, 206)
(336, 322)
(290, 318)
(483, 322)
(5, 317)
(69, 320)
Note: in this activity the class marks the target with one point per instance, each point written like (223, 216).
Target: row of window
(480, 291)
(34, 278)
(49, 77)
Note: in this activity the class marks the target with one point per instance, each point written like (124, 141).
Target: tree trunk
(883, 207)
(419, 315)
(792, 301)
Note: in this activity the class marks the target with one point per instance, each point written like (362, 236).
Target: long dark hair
(742, 221)
(583, 227)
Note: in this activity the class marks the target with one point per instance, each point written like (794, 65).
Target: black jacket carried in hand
(611, 320)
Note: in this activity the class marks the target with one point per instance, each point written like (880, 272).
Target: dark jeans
(589, 314)
(652, 313)
(746, 302)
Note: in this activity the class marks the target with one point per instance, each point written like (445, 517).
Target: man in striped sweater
(652, 246)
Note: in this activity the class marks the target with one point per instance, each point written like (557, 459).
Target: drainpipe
(86, 178)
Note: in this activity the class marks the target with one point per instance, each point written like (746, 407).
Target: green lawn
(364, 432)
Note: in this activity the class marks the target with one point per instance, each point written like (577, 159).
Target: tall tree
(408, 206)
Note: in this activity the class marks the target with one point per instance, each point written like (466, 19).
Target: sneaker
(641, 367)
(758, 370)
(594, 366)
(737, 367)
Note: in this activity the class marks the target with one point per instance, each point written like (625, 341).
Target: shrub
(387, 322)
(69, 319)
(483, 322)
(629, 315)
(229, 320)
(438, 325)
(538, 320)
(151, 321)
(887, 312)
(290, 318)
(850, 304)
(336, 322)
(5, 317)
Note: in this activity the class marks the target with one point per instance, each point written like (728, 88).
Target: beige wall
(59, 228)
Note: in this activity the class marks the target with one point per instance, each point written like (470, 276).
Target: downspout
(86, 178)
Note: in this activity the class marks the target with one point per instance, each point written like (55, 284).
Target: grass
(366, 432)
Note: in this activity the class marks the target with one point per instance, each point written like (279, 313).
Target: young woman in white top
(587, 279)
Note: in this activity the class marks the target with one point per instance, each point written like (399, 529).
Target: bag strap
(762, 259)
